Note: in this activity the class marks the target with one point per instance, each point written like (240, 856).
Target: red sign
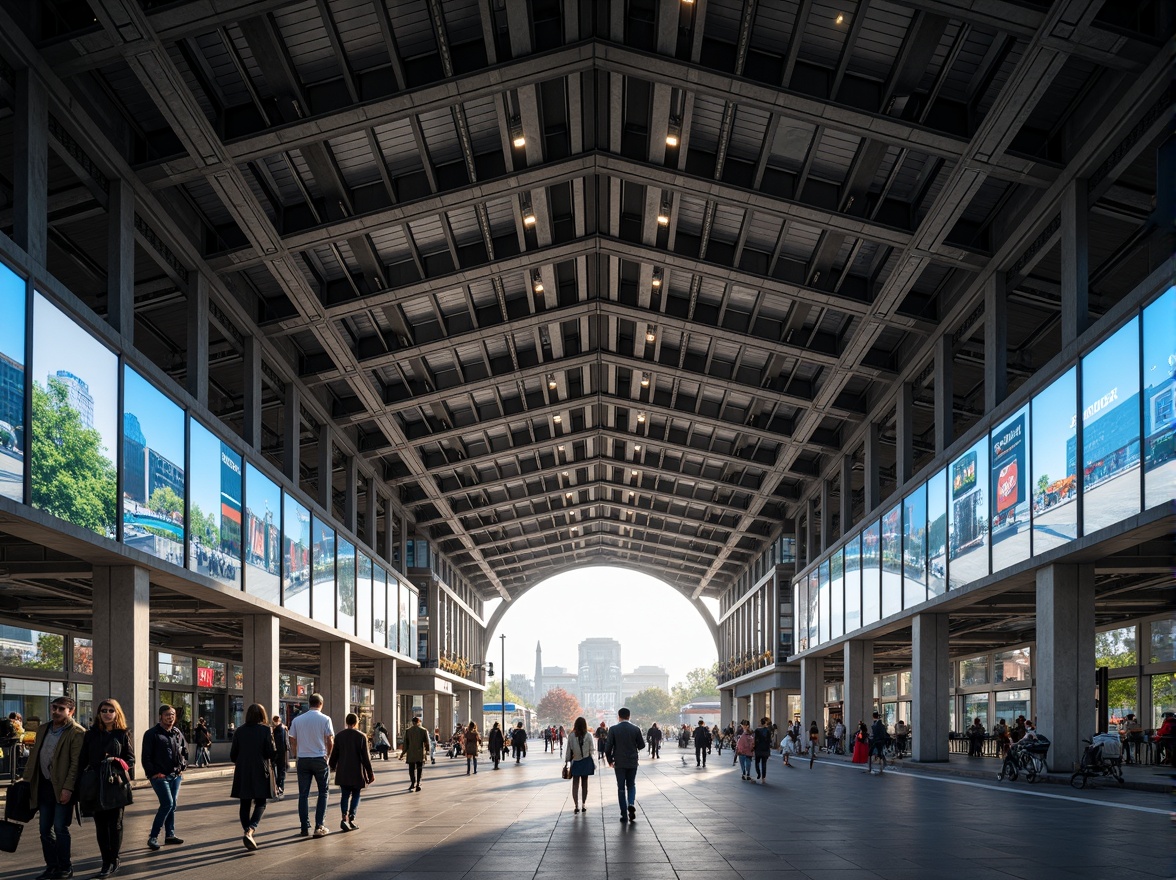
(204, 677)
(1006, 487)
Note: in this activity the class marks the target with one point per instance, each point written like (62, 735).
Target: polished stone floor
(832, 821)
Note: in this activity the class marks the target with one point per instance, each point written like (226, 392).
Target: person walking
(601, 735)
(252, 753)
(622, 749)
(879, 737)
(717, 739)
(861, 745)
(976, 739)
(547, 737)
(745, 749)
(381, 744)
(312, 736)
(814, 743)
(202, 739)
(351, 759)
(281, 755)
(763, 750)
(560, 736)
(164, 758)
(433, 745)
(579, 755)
(702, 741)
(52, 774)
(108, 737)
(471, 741)
(496, 742)
(414, 751)
(788, 747)
(654, 735)
(518, 741)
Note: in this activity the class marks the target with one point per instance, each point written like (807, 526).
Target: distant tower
(538, 673)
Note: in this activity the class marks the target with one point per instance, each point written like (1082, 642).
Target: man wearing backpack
(518, 741)
(702, 742)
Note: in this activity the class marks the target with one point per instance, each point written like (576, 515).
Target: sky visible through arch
(655, 624)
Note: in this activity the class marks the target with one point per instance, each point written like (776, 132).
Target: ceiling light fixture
(560, 447)
(528, 214)
(651, 333)
(663, 213)
(551, 383)
(645, 380)
(536, 280)
(517, 138)
(565, 473)
(571, 494)
(633, 472)
(674, 132)
(558, 418)
(637, 447)
(839, 19)
(657, 278)
(641, 418)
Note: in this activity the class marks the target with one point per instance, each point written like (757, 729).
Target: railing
(734, 667)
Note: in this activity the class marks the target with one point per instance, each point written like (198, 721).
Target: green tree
(701, 684)
(1042, 484)
(558, 707)
(204, 527)
(652, 704)
(50, 652)
(1115, 649)
(71, 474)
(493, 694)
(166, 502)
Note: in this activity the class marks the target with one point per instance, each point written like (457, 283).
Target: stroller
(1026, 756)
(1103, 756)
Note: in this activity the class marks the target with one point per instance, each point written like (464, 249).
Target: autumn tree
(700, 684)
(558, 707)
(650, 705)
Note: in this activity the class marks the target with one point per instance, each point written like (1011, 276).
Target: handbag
(16, 804)
(566, 773)
(9, 836)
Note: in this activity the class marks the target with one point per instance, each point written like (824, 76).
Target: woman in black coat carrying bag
(351, 760)
(108, 737)
(252, 755)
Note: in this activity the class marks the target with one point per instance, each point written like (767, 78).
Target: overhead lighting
(536, 279)
(641, 418)
(528, 219)
(574, 528)
(663, 218)
(558, 418)
(571, 494)
(674, 132)
(637, 447)
(633, 472)
(551, 383)
(839, 19)
(651, 333)
(645, 380)
(630, 494)
(560, 447)
(517, 138)
(565, 473)
(657, 278)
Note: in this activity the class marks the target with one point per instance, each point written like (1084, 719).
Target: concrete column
(759, 706)
(811, 535)
(826, 514)
(859, 682)
(252, 394)
(778, 706)
(30, 185)
(371, 533)
(120, 260)
(931, 687)
(1075, 263)
(870, 473)
(996, 342)
(446, 713)
(944, 394)
(473, 707)
(904, 425)
(728, 707)
(292, 434)
(812, 691)
(429, 717)
(335, 680)
(350, 492)
(197, 330)
(326, 465)
(259, 660)
(1065, 660)
(122, 619)
(386, 695)
(743, 710)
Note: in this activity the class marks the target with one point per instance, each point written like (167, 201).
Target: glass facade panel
(814, 612)
(13, 297)
(214, 511)
(892, 561)
(871, 574)
(1010, 704)
(379, 607)
(296, 541)
(904, 683)
(853, 583)
(1163, 692)
(1122, 697)
(824, 603)
(914, 548)
(1163, 641)
(836, 595)
(174, 669)
(83, 655)
(322, 571)
(413, 620)
(976, 706)
(263, 530)
(890, 685)
(75, 422)
(937, 534)
(1010, 491)
(1159, 399)
(406, 617)
(974, 671)
(31, 649)
(1011, 666)
(363, 597)
(210, 674)
(1110, 429)
(968, 517)
(153, 485)
(1055, 468)
(800, 603)
(345, 612)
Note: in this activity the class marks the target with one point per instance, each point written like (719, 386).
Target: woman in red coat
(861, 744)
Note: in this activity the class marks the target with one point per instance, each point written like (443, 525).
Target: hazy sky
(655, 624)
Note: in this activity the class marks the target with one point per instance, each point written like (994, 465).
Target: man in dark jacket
(622, 749)
(202, 739)
(281, 754)
(496, 743)
(702, 742)
(52, 774)
(164, 757)
(518, 741)
(654, 736)
(879, 739)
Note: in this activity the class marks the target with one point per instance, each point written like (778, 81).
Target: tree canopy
(701, 683)
(558, 707)
(650, 705)
(493, 694)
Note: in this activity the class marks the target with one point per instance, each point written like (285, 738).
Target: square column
(931, 686)
(859, 682)
(727, 708)
(122, 620)
(743, 705)
(812, 691)
(446, 713)
(259, 660)
(429, 715)
(386, 695)
(759, 707)
(335, 680)
(473, 706)
(1065, 660)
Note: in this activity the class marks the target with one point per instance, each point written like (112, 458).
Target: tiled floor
(828, 823)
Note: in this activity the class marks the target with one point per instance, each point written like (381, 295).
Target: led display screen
(871, 574)
(814, 608)
(263, 536)
(296, 548)
(967, 524)
(322, 571)
(12, 384)
(214, 512)
(345, 585)
(914, 548)
(379, 607)
(413, 622)
(836, 595)
(407, 617)
(363, 598)
(823, 570)
(1110, 429)
(937, 534)
(153, 485)
(892, 561)
(1159, 399)
(853, 583)
(1011, 491)
(1055, 463)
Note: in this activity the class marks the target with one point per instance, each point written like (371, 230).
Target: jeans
(55, 819)
(745, 765)
(655, 748)
(203, 756)
(167, 790)
(252, 809)
(414, 772)
(700, 755)
(280, 767)
(312, 769)
(761, 766)
(626, 787)
(349, 801)
(470, 758)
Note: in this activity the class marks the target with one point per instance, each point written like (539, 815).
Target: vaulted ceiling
(612, 281)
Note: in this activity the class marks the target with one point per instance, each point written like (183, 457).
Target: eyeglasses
(109, 709)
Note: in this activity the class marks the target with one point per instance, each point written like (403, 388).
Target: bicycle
(1097, 763)
(1025, 757)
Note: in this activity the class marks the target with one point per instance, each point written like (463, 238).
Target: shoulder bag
(583, 766)
(9, 836)
(16, 804)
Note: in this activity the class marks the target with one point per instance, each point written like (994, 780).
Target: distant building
(707, 710)
(642, 678)
(522, 687)
(79, 398)
(11, 391)
(556, 677)
(162, 473)
(134, 459)
(600, 674)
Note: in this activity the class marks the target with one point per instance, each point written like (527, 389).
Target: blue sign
(497, 707)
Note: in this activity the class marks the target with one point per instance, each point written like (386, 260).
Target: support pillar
(446, 712)
(120, 260)
(335, 680)
(812, 691)
(197, 330)
(759, 706)
(371, 533)
(930, 686)
(326, 468)
(350, 492)
(30, 185)
(778, 707)
(727, 708)
(944, 394)
(826, 514)
(429, 715)
(1075, 262)
(251, 417)
(996, 342)
(810, 532)
(292, 435)
(473, 706)
(386, 696)
(122, 619)
(870, 474)
(846, 494)
(904, 425)
(744, 707)
(259, 660)
(859, 682)
(1064, 660)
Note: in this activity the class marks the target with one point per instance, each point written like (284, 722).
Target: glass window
(937, 534)
(1159, 399)
(914, 548)
(407, 615)
(214, 512)
(824, 600)
(263, 529)
(1122, 697)
(83, 655)
(237, 682)
(951, 714)
(210, 674)
(363, 598)
(153, 485)
(904, 683)
(1011, 666)
(801, 605)
(1055, 464)
(976, 706)
(211, 707)
(31, 649)
(968, 517)
(414, 622)
(1163, 641)
(1010, 492)
(379, 607)
(836, 595)
(1110, 429)
(892, 561)
(871, 574)
(853, 583)
(174, 669)
(322, 554)
(75, 422)
(346, 585)
(182, 702)
(974, 671)
(1010, 704)
(296, 541)
(1163, 691)
(814, 608)
(12, 384)
(890, 685)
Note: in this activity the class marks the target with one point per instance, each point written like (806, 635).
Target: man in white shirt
(311, 739)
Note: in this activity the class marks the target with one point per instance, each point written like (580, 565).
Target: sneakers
(632, 813)
(247, 839)
(351, 825)
(305, 832)
(321, 831)
(343, 826)
(418, 788)
(172, 839)
(153, 843)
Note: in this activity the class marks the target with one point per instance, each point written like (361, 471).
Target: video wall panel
(892, 561)
(297, 536)
(871, 574)
(363, 598)
(1159, 399)
(1011, 491)
(1110, 429)
(75, 422)
(13, 300)
(345, 586)
(853, 583)
(937, 533)
(322, 571)
(379, 607)
(1055, 463)
(413, 623)
(914, 548)
(214, 506)
(967, 522)
(836, 595)
(263, 537)
(823, 604)
(153, 479)
(407, 615)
